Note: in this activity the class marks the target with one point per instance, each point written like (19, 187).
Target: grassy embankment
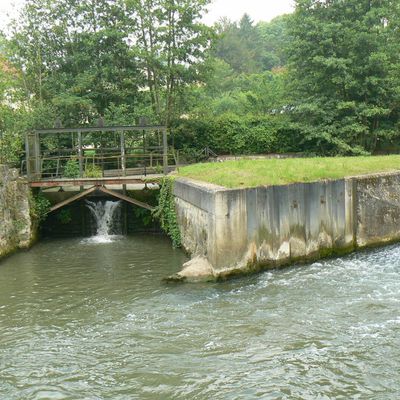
(252, 173)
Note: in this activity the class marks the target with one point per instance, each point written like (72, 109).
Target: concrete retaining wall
(16, 228)
(240, 230)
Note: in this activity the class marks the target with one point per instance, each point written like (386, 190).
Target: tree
(239, 45)
(75, 56)
(171, 42)
(344, 62)
(274, 41)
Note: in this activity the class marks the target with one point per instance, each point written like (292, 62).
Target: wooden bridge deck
(116, 180)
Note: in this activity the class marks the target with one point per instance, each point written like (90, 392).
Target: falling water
(106, 215)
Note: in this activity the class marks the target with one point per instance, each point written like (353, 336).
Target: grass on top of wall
(252, 173)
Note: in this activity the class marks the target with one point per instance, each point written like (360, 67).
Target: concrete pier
(237, 231)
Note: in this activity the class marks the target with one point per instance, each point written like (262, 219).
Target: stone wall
(16, 228)
(233, 231)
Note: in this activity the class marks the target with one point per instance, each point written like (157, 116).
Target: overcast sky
(259, 10)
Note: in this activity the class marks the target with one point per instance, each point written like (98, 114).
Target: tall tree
(239, 45)
(75, 56)
(171, 42)
(346, 68)
(275, 39)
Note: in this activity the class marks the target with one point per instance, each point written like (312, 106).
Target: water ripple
(86, 321)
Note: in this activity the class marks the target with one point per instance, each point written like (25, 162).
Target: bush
(165, 211)
(40, 207)
(71, 169)
(93, 171)
(233, 134)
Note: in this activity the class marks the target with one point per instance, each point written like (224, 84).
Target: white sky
(259, 10)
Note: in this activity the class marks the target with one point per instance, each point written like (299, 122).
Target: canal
(87, 320)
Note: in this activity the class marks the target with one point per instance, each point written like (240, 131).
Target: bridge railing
(96, 151)
(97, 166)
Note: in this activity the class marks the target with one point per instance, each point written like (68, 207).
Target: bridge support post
(80, 155)
(123, 159)
(33, 163)
(165, 152)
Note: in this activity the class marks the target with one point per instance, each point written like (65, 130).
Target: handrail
(100, 157)
(109, 165)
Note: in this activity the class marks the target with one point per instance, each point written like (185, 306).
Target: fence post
(123, 159)
(165, 152)
(80, 156)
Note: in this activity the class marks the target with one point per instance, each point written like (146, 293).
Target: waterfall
(107, 219)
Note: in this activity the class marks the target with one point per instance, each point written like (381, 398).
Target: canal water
(87, 320)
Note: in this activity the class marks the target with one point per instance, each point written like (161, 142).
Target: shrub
(71, 169)
(93, 171)
(40, 207)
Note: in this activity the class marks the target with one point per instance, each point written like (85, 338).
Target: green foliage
(94, 58)
(93, 171)
(40, 207)
(71, 169)
(233, 134)
(11, 146)
(143, 215)
(275, 39)
(249, 48)
(344, 71)
(239, 44)
(324, 80)
(165, 211)
(64, 216)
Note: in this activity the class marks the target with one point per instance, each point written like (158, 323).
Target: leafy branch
(165, 211)
(40, 207)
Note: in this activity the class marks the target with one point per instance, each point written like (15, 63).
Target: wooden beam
(125, 198)
(100, 129)
(123, 157)
(80, 154)
(73, 198)
(95, 181)
(165, 152)
(27, 157)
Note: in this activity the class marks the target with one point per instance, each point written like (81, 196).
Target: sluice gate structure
(105, 160)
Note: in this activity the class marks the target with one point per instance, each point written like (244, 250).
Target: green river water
(86, 320)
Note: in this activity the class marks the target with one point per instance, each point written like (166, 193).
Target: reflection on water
(95, 321)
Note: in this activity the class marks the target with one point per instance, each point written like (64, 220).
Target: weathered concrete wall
(196, 216)
(378, 209)
(16, 228)
(241, 230)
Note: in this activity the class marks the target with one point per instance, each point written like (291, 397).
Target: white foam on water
(100, 239)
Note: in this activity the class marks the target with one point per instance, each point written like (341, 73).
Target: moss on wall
(17, 227)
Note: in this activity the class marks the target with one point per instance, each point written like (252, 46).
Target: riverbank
(252, 173)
